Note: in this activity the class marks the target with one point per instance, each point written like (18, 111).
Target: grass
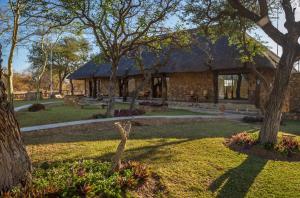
(190, 157)
(18, 103)
(56, 113)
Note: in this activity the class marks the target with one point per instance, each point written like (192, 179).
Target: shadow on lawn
(190, 131)
(149, 153)
(237, 181)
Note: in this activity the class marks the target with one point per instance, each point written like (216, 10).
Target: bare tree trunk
(14, 40)
(273, 108)
(111, 93)
(72, 87)
(124, 130)
(138, 89)
(60, 86)
(38, 91)
(15, 165)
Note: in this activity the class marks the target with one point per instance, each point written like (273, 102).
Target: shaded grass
(18, 103)
(191, 158)
(56, 113)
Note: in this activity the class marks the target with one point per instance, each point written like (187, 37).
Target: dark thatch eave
(193, 59)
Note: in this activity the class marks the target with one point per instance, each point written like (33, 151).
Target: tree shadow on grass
(197, 130)
(236, 182)
(150, 153)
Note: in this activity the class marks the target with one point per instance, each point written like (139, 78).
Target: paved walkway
(28, 105)
(80, 122)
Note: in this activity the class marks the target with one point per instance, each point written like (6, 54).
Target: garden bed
(286, 149)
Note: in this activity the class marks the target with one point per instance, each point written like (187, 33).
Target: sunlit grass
(190, 157)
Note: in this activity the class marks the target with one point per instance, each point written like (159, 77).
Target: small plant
(253, 119)
(36, 107)
(244, 139)
(128, 112)
(288, 145)
(153, 104)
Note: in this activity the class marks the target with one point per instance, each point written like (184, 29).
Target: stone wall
(294, 93)
(182, 85)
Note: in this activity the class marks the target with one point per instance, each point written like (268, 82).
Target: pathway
(80, 122)
(28, 105)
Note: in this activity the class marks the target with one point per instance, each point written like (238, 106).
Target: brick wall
(181, 85)
(294, 93)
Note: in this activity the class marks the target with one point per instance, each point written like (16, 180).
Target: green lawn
(190, 157)
(56, 113)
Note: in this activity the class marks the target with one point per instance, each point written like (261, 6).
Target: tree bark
(274, 104)
(15, 165)
(72, 87)
(124, 130)
(111, 93)
(14, 40)
(138, 89)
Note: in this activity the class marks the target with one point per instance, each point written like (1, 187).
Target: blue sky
(20, 62)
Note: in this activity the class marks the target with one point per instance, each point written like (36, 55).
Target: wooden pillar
(216, 87)
(151, 87)
(90, 88)
(164, 88)
(238, 86)
(85, 88)
(94, 88)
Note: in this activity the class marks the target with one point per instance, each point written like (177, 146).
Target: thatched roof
(192, 59)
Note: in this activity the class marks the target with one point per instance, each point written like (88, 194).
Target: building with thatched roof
(198, 73)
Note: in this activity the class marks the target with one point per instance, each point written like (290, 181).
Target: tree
(290, 54)
(119, 26)
(68, 54)
(15, 165)
(255, 13)
(18, 27)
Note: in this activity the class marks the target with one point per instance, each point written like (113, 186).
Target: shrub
(288, 145)
(99, 116)
(252, 119)
(244, 139)
(128, 112)
(153, 104)
(87, 178)
(36, 107)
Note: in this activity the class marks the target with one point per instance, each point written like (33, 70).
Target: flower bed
(287, 147)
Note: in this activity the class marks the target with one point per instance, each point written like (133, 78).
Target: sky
(20, 62)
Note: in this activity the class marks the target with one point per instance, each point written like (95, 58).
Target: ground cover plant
(189, 157)
(89, 178)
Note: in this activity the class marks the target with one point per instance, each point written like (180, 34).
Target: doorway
(233, 87)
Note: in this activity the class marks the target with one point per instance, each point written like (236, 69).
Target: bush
(128, 112)
(153, 104)
(99, 116)
(36, 107)
(253, 119)
(244, 139)
(288, 145)
(87, 178)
